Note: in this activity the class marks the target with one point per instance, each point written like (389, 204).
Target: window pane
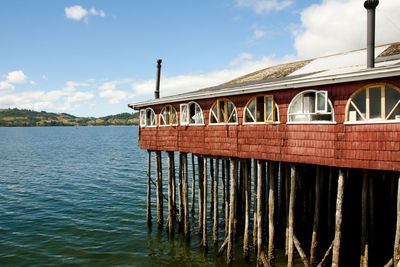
(223, 114)
(375, 103)
(360, 102)
(392, 97)
(214, 114)
(260, 109)
(321, 101)
(148, 117)
(192, 113)
(269, 104)
(296, 106)
(251, 108)
(231, 109)
(309, 102)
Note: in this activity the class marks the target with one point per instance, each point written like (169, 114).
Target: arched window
(261, 109)
(191, 114)
(168, 116)
(147, 118)
(375, 102)
(223, 111)
(311, 106)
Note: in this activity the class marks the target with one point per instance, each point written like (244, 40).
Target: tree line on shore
(29, 118)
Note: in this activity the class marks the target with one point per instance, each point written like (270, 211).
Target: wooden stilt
(148, 188)
(193, 186)
(223, 177)
(160, 217)
(186, 195)
(281, 195)
(364, 206)
(170, 222)
(215, 224)
(204, 241)
(255, 177)
(233, 176)
(330, 188)
(338, 219)
(371, 237)
(267, 174)
(301, 251)
(211, 187)
(201, 193)
(227, 194)
(314, 238)
(396, 252)
(247, 199)
(174, 209)
(259, 207)
(180, 192)
(287, 194)
(271, 214)
(291, 213)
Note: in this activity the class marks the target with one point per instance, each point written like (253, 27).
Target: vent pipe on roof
(157, 91)
(371, 5)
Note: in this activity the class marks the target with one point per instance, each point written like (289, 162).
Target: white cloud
(13, 77)
(75, 12)
(264, 6)
(78, 13)
(108, 90)
(186, 83)
(337, 26)
(6, 85)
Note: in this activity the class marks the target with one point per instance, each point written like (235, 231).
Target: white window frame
(366, 117)
(143, 118)
(308, 114)
(185, 114)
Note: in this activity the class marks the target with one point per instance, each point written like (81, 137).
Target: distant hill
(22, 117)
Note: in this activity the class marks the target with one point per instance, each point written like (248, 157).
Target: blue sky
(92, 58)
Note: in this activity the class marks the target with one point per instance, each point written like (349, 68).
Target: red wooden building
(330, 116)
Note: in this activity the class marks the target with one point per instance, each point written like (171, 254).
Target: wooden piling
(227, 194)
(180, 192)
(204, 240)
(148, 188)
(364, 207)
(193, 186)
(255, 190)
(223, 178)
(247, 200)
(233, 176)
(211, 187)
(291, 213)
(160, 217)
(338, 220)
(330, 188)
(396, 252)
(215, 202)
(170, 222)
(287, 197)
(271, 215)
(317, 201)
(259, 207)
(201, 193)
(185, 196)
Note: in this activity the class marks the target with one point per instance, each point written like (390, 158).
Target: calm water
(77, 196)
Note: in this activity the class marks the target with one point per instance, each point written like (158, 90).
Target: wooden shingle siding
(368, 146)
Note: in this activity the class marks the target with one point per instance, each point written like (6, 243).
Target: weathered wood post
(215, 225)
(247, 200)
(180, 192)
(223, 190)
(255, 205)
(160, 216)
(211, 186)
(170, 221)
(227, 194)
(186, 195)
(201, 193)
(317, 203)
(291, 213)
(193, 185)
(271, 214)
(204, 240)
(148, 187)
(233, 176)
(260, 164)
(338, 220)
(364, 207)
(396, 253)
(287, 197)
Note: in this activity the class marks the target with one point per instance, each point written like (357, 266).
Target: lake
(77, 196)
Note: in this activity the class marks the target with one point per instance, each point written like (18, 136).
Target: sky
(92, 58)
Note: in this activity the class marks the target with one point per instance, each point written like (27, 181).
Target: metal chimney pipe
(371, 5)
(157, 91)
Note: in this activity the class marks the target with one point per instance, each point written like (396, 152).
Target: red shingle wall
(369, 146)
